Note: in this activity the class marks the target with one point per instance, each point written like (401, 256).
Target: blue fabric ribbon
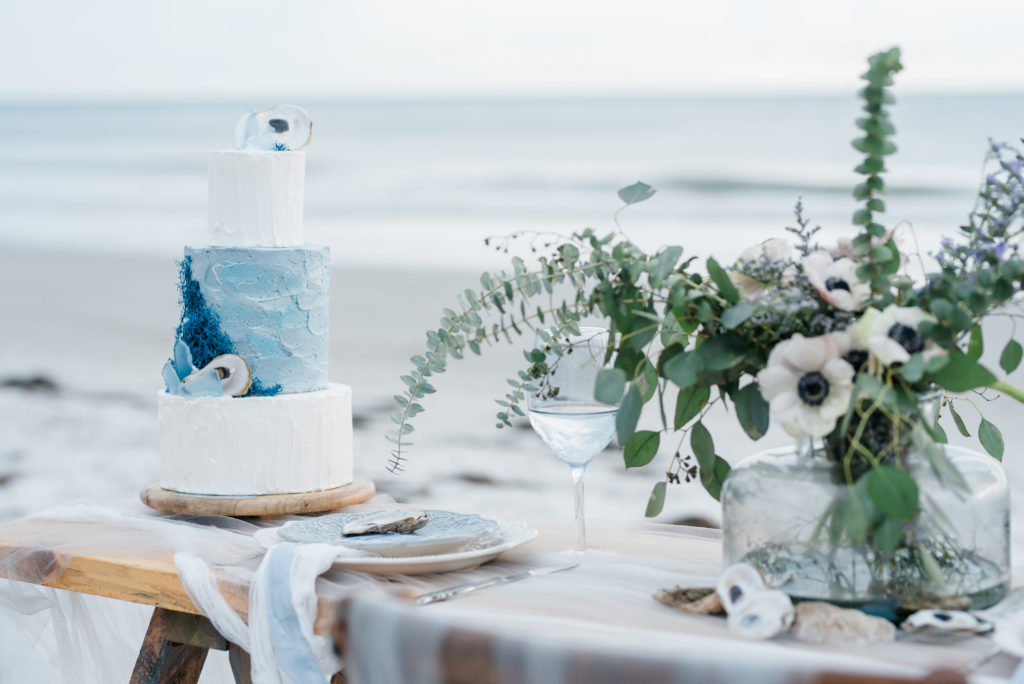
(294, 655)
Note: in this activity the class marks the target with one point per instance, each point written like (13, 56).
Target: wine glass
(565, 413)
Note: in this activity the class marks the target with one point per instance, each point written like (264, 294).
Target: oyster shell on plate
(397, 522)
(946, 623)
(233, 371)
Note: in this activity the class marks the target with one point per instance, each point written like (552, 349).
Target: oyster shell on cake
(233, 371)
(397, 522)
(284, 127)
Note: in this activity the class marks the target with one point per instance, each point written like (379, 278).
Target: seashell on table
(764, 615)
(755, 611)
(699, 600)
(942, 623)
(738, 584)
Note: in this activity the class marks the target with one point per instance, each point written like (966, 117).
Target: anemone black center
(909, 338)
(279, 125)
(856, 358)
(836, 284)
(813, 388)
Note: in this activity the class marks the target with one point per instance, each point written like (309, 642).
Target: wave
(725, 184)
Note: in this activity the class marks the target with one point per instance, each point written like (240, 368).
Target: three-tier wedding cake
(248, 409)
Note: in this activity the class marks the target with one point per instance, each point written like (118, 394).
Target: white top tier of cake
(255, 198)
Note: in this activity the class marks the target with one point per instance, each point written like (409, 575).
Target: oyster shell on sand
(396, 522)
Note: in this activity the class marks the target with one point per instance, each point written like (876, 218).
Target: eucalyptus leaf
(720, 277)
(991, 439)
(714, 477)
(629, 414)
(962, 373)
(647, 380)
(663, 263)
(751, 410)
(703, 446)
(737, 314)
(637, 192)
(1011, 356)
(682, 369)
(892, 491)
(888, 534)
(641, 448)
(959, 421)
(913, 370)
(976, 345)
(656, 502)
(610, 385)
(722, 352)
(855, 517)
(689, 403)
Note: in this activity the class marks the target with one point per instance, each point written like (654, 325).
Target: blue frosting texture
(266, 304)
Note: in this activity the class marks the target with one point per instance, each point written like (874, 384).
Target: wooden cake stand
(359, 491)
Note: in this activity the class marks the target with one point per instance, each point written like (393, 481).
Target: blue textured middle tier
(269, 305)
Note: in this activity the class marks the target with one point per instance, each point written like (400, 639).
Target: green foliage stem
(881, 258)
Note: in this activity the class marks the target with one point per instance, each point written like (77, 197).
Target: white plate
(511, 535)
(446, 531)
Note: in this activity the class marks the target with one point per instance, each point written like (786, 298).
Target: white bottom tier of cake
(256, 445)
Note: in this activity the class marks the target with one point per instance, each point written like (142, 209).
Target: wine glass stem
(577, 486)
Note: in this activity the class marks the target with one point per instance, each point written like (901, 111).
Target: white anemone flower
(836, 280)
(807, 385)
(774, 249)
(894, 334)
(850, 347)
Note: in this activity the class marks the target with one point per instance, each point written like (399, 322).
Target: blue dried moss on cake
(269, 305)
(200, 329)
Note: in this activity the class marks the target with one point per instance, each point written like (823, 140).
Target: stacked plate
(449, 541)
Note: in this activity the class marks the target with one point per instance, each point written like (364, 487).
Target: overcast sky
(416, 48)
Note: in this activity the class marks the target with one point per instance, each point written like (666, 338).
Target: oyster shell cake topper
(282, 128)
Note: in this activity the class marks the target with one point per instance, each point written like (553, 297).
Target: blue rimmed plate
(446, 532)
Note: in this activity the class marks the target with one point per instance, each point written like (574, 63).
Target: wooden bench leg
(163, 661)
(241, 664)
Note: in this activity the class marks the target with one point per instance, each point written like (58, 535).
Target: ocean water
(423, 183)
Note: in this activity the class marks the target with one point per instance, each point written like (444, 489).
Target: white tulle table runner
(538, 628)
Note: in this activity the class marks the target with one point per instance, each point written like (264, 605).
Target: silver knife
(445, 594)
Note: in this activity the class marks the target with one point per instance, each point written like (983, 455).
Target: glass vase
(955, 554)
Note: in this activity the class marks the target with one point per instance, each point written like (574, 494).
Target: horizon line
(191, 98)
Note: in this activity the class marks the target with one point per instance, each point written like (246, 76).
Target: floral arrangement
(836, 343)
